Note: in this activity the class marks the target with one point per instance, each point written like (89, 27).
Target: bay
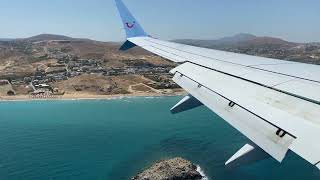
(115, 139)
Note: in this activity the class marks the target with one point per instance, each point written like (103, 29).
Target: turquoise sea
(115, 139)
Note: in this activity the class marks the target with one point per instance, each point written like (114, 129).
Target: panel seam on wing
(250, 66)
(235, 103)
(257, 83)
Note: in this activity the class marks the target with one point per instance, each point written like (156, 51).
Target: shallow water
(115, 139)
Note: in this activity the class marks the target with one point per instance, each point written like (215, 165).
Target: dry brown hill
(22, 56)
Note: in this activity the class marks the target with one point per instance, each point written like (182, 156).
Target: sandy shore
(79, 96)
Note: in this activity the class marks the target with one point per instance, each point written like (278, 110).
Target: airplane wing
(275, 103)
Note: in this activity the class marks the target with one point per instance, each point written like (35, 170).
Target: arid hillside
(263, 46)
(79, 65)
(46, 63)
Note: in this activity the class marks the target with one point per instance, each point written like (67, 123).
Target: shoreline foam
(73, 97)
(199, 170)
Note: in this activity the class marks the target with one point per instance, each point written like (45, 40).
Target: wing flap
(260, 132)
(270, 110)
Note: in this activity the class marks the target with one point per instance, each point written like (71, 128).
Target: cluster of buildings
(306, 53)
(68, 66)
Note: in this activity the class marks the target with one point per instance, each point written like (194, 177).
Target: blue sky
(294, 20)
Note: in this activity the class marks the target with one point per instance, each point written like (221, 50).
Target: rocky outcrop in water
(173, 169)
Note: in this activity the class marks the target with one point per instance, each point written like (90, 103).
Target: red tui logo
(131, 25)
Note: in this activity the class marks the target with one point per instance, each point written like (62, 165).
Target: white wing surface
(275, 103)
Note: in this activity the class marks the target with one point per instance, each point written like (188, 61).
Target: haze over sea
(114, 139)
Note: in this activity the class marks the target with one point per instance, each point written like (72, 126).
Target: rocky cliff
(173, 169)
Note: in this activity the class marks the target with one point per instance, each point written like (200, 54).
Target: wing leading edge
(274, 103)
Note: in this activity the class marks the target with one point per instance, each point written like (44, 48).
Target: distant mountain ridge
(270, 47)
(237, 38)
(6, 39)
(46, 37)
(242, 39)
(49, 37)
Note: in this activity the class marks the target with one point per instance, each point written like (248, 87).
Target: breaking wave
(202, 173)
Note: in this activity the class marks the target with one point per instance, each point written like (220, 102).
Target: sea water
(116, 139)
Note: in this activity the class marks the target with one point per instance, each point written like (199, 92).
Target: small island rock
(172, 169)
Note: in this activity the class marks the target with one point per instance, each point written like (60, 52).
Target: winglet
(131, 25)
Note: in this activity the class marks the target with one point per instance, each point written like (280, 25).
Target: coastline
(78, 96)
